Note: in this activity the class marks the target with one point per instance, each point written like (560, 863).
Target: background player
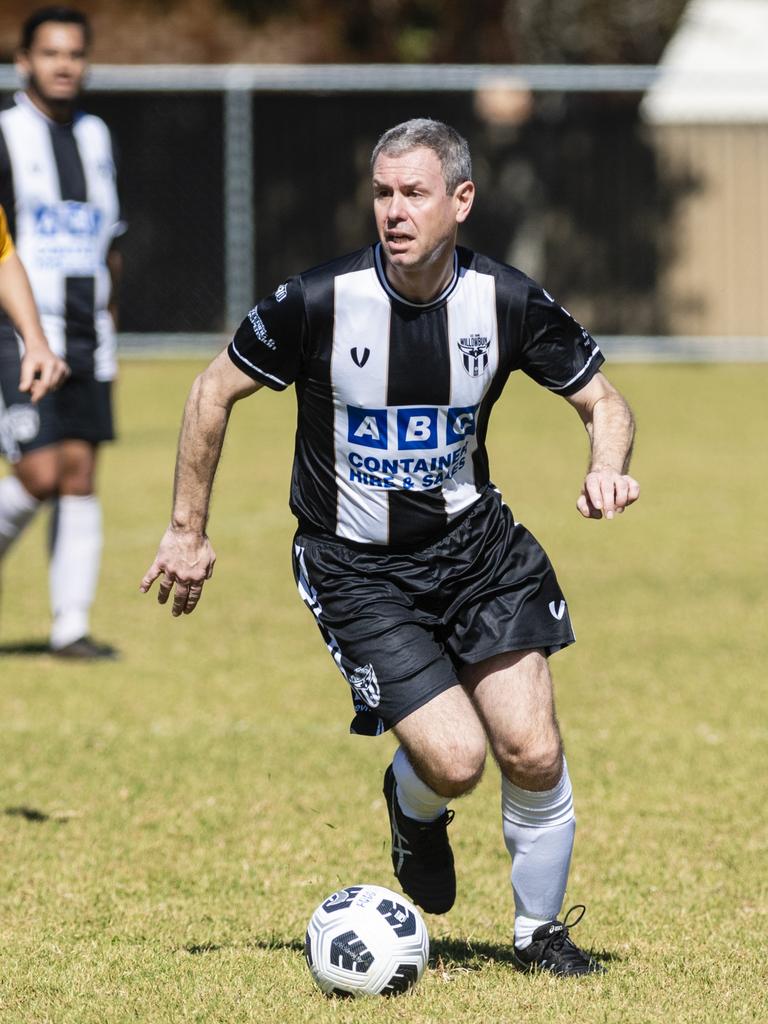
(41, 370)
(57, 183)
(439, 609)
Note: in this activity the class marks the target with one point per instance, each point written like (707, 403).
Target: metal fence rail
(249, 217)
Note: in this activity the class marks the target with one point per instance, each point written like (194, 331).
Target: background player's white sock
(539, 829)
(17, 507)
(415, 797)
(74, 570)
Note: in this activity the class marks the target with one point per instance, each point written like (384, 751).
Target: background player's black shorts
(401, 626)
(81, 410)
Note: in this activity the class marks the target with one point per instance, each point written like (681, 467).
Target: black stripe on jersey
(419, 362)
(80, 294)
(69, 166)
(79, 318)
(419, 375)
(313, 483)
(414, 516)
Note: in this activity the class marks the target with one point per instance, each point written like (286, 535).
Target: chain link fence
(233, 178)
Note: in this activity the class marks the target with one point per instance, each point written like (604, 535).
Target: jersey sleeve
(268, 344)
(6, 244)
(556, 351)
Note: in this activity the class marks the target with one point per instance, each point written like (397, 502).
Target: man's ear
(465, 196)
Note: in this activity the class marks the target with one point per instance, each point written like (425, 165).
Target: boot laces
(560, 941)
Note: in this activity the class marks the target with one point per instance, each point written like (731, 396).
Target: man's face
(56, 62)
(416, 218)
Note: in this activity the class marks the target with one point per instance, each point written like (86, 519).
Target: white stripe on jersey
(471, 311)
(361, 323)
(261, 373)
(376, 446)
(581, 372)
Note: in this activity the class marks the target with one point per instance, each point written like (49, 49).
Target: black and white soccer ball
(366, 940)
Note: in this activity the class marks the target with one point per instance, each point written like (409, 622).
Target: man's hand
(185, 559)
(41, 371)
(606, 492)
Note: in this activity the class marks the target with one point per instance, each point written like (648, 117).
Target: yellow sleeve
(6, 242)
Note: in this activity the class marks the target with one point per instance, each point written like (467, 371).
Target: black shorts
(81, 410)
(401, 626)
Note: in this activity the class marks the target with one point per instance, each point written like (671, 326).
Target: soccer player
(41, 371)
(439, 609)
(57, 184)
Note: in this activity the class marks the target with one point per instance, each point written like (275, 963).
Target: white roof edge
(714, 69)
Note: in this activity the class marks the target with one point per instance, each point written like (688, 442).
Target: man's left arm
(608, 488)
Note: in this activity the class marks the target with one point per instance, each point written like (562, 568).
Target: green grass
(171, 820)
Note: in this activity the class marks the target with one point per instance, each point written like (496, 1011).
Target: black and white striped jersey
(394, 397)
(57, 183)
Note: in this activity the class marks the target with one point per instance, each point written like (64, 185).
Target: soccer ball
(365, 941)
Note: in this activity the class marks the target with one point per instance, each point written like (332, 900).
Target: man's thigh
(382, 643)
(514, 697)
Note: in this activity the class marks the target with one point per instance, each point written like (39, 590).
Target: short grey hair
(451, 148)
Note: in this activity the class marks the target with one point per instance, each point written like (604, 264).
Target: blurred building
(708, 113)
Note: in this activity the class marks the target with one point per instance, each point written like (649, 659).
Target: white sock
(17, 507)
(539, 830)
(74, 570)
(415, 797)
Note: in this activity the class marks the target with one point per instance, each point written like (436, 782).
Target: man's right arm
(41, 370)
(185, 558)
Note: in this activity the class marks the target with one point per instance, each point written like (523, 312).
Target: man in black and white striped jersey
(439, 609)
(57, 184)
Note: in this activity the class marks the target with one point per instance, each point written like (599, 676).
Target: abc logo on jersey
(421, 428)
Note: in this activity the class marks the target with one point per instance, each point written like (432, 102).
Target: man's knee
(38, 476)
(77, 468)
(536, 764)
(445, 742)
(460, 775)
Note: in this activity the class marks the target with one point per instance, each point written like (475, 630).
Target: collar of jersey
(22, 100)
(442, 297)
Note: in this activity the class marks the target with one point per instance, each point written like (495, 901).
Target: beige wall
(717, 278)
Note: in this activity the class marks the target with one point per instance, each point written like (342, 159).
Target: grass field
(170, 821)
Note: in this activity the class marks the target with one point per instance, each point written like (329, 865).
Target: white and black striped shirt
(57, 183)
(394, 397)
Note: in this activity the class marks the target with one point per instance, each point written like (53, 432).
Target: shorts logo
(557, 612)
(417, 429)
(22, 422)
(365, 685)
(474, 350)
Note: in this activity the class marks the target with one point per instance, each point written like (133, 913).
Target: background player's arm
(185, 557)
(607, 488)
(115, 268)
(41, 370)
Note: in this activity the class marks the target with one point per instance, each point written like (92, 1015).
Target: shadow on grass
(27, 813)
(26, 648)
(445, 954)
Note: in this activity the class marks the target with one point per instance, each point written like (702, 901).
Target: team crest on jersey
(474, 350)
(365, 685)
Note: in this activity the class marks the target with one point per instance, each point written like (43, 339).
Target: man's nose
(395, 208)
